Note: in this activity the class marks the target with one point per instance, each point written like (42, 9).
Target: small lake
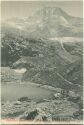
(11, 92)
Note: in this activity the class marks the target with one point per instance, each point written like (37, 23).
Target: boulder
(36, 115)
(57, 95)
(22, 99)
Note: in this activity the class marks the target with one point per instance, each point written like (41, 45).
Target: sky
(20, 9)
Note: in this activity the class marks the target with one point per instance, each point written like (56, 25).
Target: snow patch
(23, 70)
(65, 21)
(66, 39)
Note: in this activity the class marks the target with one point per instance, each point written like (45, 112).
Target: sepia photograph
(41, 62)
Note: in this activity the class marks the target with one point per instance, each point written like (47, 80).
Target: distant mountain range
(47, 22)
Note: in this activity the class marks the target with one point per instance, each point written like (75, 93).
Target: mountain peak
(52, 11)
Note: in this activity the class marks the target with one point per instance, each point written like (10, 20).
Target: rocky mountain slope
(38, 43)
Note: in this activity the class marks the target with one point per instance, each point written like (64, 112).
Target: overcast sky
(22, 9)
